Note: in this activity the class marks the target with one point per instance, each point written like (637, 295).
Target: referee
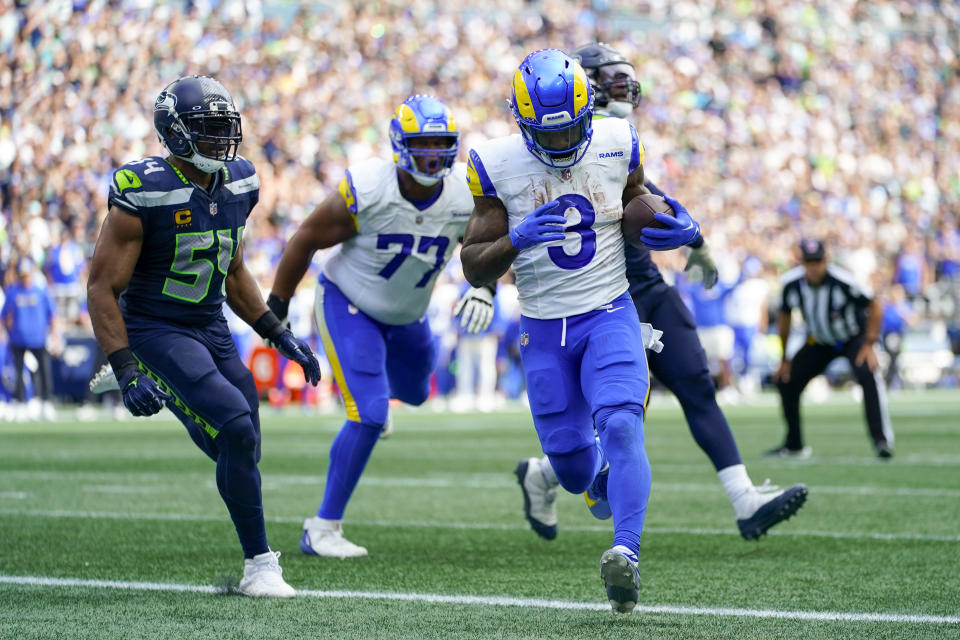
(842, 319)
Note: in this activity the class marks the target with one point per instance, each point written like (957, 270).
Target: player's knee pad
(240, 436)
(620, 428)
(575, 471)
(373, 410)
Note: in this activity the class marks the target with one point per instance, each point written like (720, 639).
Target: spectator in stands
(898, 316)
(29, 316)
(65, 263)
(477, 364)
(767, 124)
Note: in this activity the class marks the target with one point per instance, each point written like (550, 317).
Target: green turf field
(114, 529)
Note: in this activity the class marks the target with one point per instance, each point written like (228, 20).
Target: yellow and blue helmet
(428, 120)
(552, 101)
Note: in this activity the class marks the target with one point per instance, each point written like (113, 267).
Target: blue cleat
(621, 578)
(596, 495)
(777, 508)
(539, 499)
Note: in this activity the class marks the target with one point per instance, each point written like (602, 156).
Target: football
(638, 214)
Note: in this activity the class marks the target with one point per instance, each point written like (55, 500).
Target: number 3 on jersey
(406, 241)
(588, 237)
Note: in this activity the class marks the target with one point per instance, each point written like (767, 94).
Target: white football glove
(651, 337)
(700, 266)
(104, 380)
(475, 309)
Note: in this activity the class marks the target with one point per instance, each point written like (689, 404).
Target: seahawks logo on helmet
(167, 101)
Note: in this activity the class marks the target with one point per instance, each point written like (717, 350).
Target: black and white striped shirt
(835, 311)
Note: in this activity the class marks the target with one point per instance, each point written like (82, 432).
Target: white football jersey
(585, 270)
(388, 269)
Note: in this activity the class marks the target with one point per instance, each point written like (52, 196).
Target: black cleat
(884, 451)
(621, 579)
(778, 509)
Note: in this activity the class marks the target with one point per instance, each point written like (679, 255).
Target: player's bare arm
(114, 259)
(330, 224)
(635, 185)
(243, 294)
(487, 252)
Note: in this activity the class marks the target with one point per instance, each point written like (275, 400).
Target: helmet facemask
(428, 157)
(212, 137)
(616, 88)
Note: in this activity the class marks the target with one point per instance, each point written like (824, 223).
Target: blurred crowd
(770, 120)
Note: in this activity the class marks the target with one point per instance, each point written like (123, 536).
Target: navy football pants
(682, 368)
(215, 398)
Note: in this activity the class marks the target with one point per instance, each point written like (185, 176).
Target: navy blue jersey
(190, 236)
(641, 271)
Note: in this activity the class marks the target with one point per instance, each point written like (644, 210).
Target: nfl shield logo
(524, 339)
(565, 174)
(419, 220)
(213, 208)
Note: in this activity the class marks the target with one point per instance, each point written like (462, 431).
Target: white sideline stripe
(451, 481)
(474, 526)
(499, 601)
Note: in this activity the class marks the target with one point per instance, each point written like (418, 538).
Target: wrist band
(268, 326)
(122, 360)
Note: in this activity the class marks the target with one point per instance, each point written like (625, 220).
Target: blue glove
(293, 348)
(545, 224)
(141, 394)
(681, 230)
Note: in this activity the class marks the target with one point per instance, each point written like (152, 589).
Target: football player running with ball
(681, 366)
(170, 253)
(393, 225)
(549, 202)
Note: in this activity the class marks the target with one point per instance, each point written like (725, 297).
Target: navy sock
(238, 480)
(348, 457)
(628, 485)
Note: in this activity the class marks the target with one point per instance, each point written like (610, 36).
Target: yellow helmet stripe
(580, 89)
(407, 119)
(524, 104)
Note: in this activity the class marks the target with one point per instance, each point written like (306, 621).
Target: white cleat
(539, 498)
(263, 577)
(325, 538)
(104, 380)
